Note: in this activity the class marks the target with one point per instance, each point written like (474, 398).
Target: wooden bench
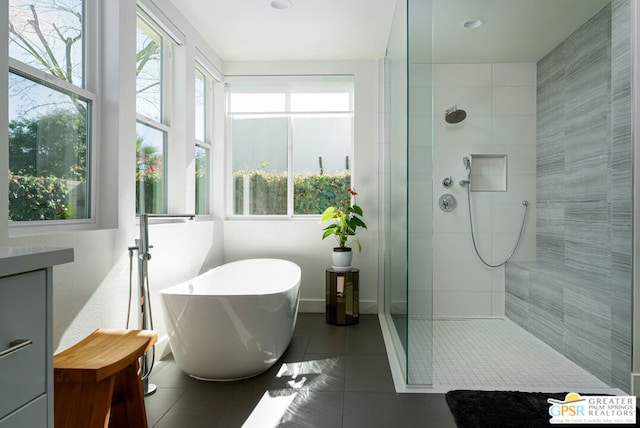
(97, 381)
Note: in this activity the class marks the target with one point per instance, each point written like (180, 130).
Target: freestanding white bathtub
(233, 321)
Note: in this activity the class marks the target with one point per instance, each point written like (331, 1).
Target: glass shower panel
(408, 188)
(395, 183)
(420, 194)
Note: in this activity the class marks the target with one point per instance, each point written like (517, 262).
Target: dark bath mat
(498, 409)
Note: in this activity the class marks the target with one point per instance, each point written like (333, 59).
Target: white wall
(500, 101)
(299, 240)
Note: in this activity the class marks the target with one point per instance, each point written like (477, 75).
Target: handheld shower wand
(467, 164)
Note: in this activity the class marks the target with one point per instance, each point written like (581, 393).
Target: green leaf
(356, 209)
(328, 214)
(359, 222)
(328, 233)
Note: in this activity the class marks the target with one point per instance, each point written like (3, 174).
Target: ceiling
(515, 30)
(251, 30)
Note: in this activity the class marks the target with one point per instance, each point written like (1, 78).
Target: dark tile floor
(330, 376)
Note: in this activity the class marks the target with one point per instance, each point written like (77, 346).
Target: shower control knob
(447, 202)
(447, 182)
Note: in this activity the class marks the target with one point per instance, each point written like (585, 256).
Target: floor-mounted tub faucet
(145, 320)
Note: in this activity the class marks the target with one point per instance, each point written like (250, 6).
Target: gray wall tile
(576, 296)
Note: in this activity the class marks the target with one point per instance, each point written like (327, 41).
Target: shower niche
(488, 173)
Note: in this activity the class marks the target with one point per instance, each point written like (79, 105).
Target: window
(291, 144)
(203, 174)
(150, 171)
(200, 105)
(203, 128)
(51, 111)
(152, 48)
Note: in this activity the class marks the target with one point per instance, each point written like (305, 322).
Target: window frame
(282, 83)
(201, 67)
(168, 44)
(89, 92)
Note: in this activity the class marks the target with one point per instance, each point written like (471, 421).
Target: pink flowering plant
(345, 221)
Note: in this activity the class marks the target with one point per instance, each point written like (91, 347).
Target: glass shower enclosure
(556, 162)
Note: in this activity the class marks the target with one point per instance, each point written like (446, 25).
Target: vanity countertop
(14, 260)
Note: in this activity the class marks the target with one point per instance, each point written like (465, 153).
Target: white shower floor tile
(491, 353)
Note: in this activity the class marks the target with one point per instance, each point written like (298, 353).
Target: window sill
(311, 217)
(51, 227)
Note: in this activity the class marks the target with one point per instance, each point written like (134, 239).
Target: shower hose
(525, 204)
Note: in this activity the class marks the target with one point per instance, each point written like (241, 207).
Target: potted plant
(345, 222)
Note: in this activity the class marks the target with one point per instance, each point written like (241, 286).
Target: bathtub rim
(171, 290)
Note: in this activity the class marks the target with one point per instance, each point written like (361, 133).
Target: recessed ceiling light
(281, 4)
(473, 23)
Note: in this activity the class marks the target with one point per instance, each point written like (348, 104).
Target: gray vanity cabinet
(26, 348)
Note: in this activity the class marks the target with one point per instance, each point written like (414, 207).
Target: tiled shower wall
(577, 295)
(500, 101)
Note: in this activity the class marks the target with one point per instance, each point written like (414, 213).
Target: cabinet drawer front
(23, 315)
(33, 415)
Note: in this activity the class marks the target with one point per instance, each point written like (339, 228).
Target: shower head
(454, 115)
(467, 162)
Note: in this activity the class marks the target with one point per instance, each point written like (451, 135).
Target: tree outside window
(48, 35)
(202, 180)
(149, 72)
(150, 174)
(49, 120)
